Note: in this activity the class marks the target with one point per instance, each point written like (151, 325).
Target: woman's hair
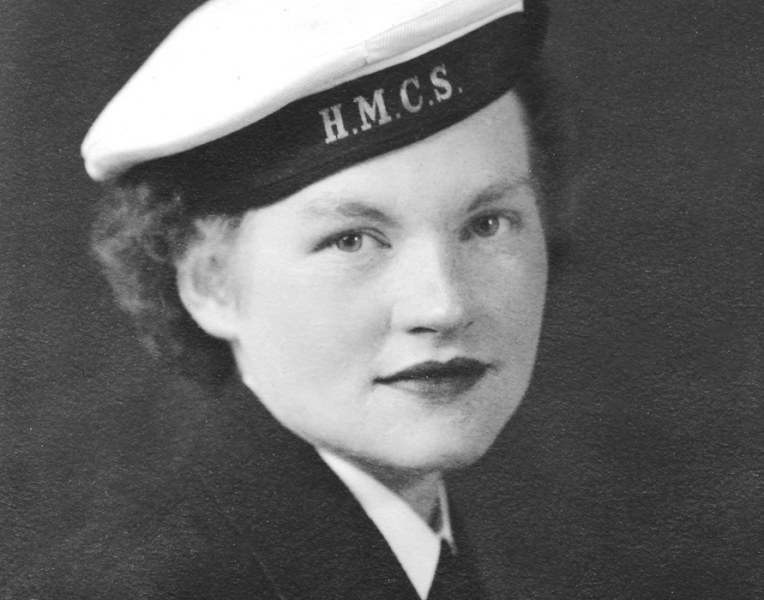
(145, 224)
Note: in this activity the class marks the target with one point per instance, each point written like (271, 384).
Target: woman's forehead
(388, 210)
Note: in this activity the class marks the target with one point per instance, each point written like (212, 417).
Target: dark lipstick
(435, 379)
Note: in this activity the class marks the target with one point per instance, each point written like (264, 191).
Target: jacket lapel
(303, 526)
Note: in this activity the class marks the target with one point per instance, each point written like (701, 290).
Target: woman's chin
(427, 455)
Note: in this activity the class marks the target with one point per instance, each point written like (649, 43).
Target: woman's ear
(203, 280)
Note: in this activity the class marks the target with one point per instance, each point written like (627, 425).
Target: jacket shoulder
(167, 546)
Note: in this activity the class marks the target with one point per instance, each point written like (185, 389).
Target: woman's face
(391, 312)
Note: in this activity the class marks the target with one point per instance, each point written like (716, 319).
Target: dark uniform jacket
(244, 510)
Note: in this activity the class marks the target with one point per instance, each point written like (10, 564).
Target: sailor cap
(315, 85)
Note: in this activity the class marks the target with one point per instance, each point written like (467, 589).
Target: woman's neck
(421, 491)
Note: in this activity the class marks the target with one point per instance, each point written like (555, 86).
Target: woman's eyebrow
(499, 190)
(353, 209)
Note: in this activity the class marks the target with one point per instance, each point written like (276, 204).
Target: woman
(346, 208)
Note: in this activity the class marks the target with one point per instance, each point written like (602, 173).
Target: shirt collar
(414, 543)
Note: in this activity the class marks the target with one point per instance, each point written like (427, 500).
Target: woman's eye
(350, 242)
(486, 226)
(353, 241)
(489, 225)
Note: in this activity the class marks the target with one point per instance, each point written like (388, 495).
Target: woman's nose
(429, 293)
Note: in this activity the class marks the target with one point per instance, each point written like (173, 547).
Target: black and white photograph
(404, 300)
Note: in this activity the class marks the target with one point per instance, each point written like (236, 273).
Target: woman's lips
(434, 379)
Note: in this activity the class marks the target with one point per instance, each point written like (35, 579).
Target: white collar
(414, 543)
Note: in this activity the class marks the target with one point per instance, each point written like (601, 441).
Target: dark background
(635, 467)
